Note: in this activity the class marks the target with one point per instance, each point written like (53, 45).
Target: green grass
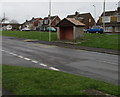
(36, 81)
(101, 41)
(89, 40)
(31, 35)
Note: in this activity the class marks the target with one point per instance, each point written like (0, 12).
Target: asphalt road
(95, 65)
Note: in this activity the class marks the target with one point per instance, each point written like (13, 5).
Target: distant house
(37, 23)
(111, 20)
(70, 29)
(54, 21)
(10, 26)
(85, 18)
(33, 24)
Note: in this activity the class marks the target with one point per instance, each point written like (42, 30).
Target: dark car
(95, 29)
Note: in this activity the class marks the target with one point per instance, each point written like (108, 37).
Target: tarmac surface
(53, 56)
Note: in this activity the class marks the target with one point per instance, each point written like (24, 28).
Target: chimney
(76, 13)
(33, 18)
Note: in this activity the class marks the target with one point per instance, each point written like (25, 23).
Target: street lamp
(95, 13)
(49, 16)
(104, 16)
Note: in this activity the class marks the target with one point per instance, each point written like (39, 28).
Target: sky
(22, 10)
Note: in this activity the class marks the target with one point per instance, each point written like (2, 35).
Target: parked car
(52, 29)
(95, 29)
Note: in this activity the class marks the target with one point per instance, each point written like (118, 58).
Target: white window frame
(116, 29)
(46, 21)
(104, 19)
(108, 29)
(118, 18)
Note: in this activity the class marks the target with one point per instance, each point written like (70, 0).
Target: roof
(72, 21)
(110, 13)
(52, 17)
(75, 22)
(79, 15)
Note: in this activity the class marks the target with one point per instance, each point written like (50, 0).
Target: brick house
(33, 24)
(54, 21)
(111, 20)
(70, 29)
(85, 18)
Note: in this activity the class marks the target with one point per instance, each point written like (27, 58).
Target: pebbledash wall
(78, 32)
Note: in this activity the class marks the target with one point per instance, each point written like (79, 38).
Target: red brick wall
(55, 21)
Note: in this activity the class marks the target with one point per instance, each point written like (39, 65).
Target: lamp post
(49, 16)
(95, 13)
(103, 16)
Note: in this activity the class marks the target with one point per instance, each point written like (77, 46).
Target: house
(37, 23)
(85, 18)
(111, 20)
(54, 21)
(70, 29)
(33, 24)
(10, 26)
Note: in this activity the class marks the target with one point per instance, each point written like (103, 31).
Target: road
(95, 65)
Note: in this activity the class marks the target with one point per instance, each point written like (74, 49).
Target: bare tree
(3, 19)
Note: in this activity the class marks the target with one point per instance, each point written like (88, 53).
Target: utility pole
(49, 16)
(103, 16)
(95, 13)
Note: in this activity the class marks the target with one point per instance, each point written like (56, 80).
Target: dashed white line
(27, 59)
(54, 68)
(14, 54)
(20, 56)
(43, 64)
(3, 50)
(34, 61)
(109, 62)
(11, 53)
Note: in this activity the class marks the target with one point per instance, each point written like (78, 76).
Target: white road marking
(3, 50)
(20, 56)
(27, 59)
(109, 62)
(34, 61)
(43, 64)
(54, 68)
(11, 53)
(14, 54)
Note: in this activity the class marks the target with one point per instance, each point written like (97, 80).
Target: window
(108, 29)
(117, 29)
(106, 19)
(46, 21)
(118, 18)
(89, 20)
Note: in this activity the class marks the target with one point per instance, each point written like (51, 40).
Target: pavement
(41, 54)
(70, 45)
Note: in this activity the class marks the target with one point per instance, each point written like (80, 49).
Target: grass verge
(89, 40)
(31, 35)
(101, 41)
(36, 81)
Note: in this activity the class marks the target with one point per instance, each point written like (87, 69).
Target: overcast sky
(21, 10)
